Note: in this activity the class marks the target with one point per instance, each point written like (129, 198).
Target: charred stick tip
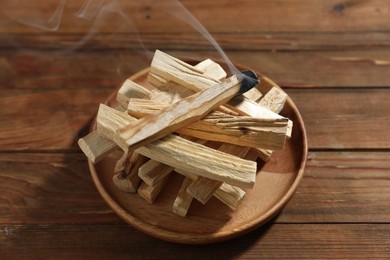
(249, 81)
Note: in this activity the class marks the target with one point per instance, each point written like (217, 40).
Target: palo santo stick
(274, 100)
(179, 114)
(185, 74)
(207, 67)
(228, 194)
(203, 188)
(221, 127)
(130, 89)
(152, 172)
(183, 200)
(173, 69)
(127, 180)
(96, 147)
(248, 107)
(180, 153)
(150, 192)
(212, 69)
(171, 92)
(201, 160)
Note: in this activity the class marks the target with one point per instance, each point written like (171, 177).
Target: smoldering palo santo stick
(186, 111)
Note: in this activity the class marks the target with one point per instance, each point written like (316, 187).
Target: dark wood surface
(331, 57)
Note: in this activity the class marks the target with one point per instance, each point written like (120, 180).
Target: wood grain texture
(347, 120)
(49, 188)
(270, 242)
(46, 119)
(297, 16)
(364, 67)
(332, 57)
(343, 187)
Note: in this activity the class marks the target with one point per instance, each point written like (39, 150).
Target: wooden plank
(365, 67)
(49, 188)
(332, 115)
(96, 70)
(347, 241)
(192, 41)
(285, 16)
(360, 68)
(46, 119)
(342, 187)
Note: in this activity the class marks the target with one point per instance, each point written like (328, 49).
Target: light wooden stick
(173, 69)
(218, 126)
(180, 153)
(96, 147)
(152, 172)
(228, 194)
(185, 74)
(274, 100)
(183, 200)
(173, 92)
(169, 93)
(150, 192)
(201, 160)
(208, 67)
(203, 188)
(130, 89)
(177, 115)
(127, 179)
(212, 69)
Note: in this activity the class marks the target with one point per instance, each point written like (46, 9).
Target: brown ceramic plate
(276, 182)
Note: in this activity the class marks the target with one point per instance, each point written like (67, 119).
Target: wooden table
(332, 57)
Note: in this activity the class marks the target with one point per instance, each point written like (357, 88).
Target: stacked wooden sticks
(200, 105)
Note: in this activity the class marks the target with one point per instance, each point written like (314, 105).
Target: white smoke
(98, 12)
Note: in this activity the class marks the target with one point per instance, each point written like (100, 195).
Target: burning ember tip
(249, 81)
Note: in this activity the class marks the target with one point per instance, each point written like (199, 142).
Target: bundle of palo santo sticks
(169, 128)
